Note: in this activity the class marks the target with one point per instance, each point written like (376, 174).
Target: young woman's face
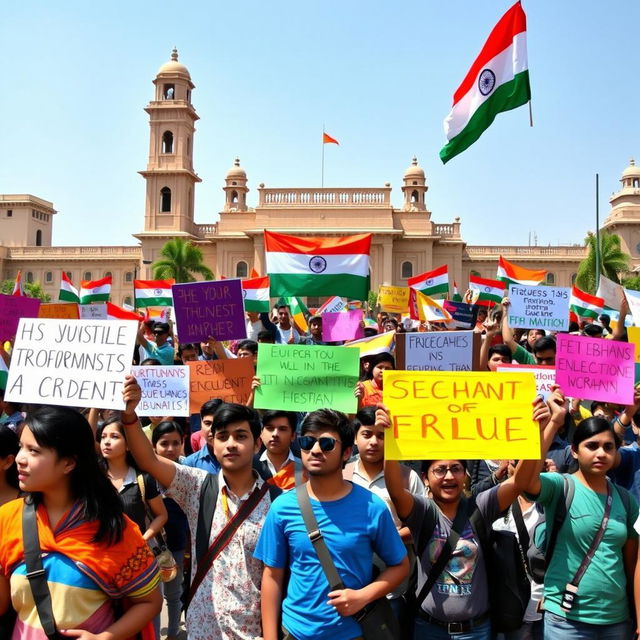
(169, 446)
(597, 454)
(446, 480)
(378, 369)
(113, 446)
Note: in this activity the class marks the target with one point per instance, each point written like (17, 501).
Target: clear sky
(380, 74)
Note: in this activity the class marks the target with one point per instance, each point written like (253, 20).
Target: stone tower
(414, 188)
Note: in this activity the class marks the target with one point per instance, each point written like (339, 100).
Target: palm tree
(613, 261)
(180, 260)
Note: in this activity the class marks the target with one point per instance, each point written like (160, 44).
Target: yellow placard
(394, 299)
(64, 310)
(460, 415)
(633, 335)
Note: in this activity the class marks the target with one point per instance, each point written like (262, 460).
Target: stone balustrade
(534, 252)
(278, 198)
(74, 252)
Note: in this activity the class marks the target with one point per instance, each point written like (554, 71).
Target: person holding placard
(315, 332)
(159, 348)
(287, 333)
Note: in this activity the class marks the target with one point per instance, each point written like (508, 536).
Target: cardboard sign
(97, 311)
(165, 390)
(611, 292)
(464, 416)
(332, 305)
(393, 299)
(63, 310)
(545, 375)
(438, 351)
(539, 307)
(343, 325)
(213, 308)
(464, 315)
(228, 380)
(595, 369)
(633, 298)
(73, 363)
(304, 378)
(12, 308)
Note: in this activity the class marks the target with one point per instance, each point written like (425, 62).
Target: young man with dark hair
(354, 523)
(266, 337)
(160, 347)
(226, 603)
(277, 460)
(202, 441)
(315, 332)
(248, 349)
(187, 352)
(287, 333)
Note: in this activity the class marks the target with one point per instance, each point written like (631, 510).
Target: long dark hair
(115, 420)
(381, 357)
(9, 446)
(68, 433)
(592, 427)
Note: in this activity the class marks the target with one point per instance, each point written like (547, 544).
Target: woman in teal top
(600, 607)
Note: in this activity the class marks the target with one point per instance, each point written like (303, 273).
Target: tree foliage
(613, 262)
(180, 260)
(31, 290)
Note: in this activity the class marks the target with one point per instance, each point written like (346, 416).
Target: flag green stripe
(259, 306)
(508, 96)
(583, 312)
(153, 302)
(490, 297)
(440, 288)
(67, 296)
(98, 297)
(345, 284)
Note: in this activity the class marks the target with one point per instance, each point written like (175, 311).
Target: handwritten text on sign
(394, 299)
(74, 363)
(460, 415)
(595, 369)
(165, 390)
(226, 380)
(539, 307)
(438, 351)
(304, 378)
(545, 375)
(204, 309)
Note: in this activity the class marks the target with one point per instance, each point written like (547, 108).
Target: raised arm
(492, 328)
(620, 330)
(507, 331)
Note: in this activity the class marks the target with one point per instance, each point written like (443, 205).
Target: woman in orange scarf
(92, 554)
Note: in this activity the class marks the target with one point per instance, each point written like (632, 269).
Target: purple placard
(212, 308)
(342, 325)
(595, 369)
(12, 308)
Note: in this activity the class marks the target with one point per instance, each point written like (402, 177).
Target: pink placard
(595, 369)
(342, 325)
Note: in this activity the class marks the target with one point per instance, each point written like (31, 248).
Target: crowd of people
(274, 524)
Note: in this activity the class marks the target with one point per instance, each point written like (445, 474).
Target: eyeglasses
(308, 442)
(441, 472)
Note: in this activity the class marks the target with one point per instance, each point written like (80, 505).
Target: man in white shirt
(286, 331)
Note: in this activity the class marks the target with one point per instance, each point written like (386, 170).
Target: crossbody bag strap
(35, 571)
(445, 553)
(224, 537)
(523, 534)
(317, 540)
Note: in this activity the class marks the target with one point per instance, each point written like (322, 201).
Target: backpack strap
(426, 528)
(562, 510)
(208, 499)
(143, 491)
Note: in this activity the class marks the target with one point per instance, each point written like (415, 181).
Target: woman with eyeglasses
(456, 601)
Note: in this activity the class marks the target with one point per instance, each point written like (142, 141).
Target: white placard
(96, 311)
(73, 363)
(539, 307)
(439, 351)
(165, 390)
(545, 375)
(611, 292)
(633, 299)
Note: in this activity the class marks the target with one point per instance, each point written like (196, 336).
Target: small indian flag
(497, 81)
(114, 312)
(298, 311)
(315, 266)
(429, 310)
(456, 297)
(486, 292)
(256, 294)
(95, 290)
(432, 283)
(4, 373)
(584, 305)
(514, 274)
(380, 343)
(153, 293)
(68, 293)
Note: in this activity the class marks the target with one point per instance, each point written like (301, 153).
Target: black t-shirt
(134, 506)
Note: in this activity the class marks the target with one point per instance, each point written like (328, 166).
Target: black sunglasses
(308, 442)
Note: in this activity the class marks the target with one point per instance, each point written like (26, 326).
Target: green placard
(304, 378)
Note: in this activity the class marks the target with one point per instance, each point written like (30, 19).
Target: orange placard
(66, 310)
(228, 380)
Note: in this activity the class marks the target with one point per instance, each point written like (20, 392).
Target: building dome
(173, 67)
(632, 171)
(236, 172)
(414, 171)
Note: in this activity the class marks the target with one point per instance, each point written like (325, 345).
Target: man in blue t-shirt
(354, 522)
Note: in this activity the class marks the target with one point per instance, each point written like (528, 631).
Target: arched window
(406, 270)
(128, 276)
(48, 276)
(234, 197)
(165, 200)
(414, 196)
(87, 275)
(551, 278)
(636, 182)
(188, 145)
(39, 238)
(107, 274)
(127, 300)
(167, 142)
(29, 276)
(242, 269)
(168, 91)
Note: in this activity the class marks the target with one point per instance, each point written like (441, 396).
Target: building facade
(406, 241)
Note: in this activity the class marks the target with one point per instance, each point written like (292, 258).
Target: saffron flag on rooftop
(488, 292)
(256, 294)
(327, 139)
(513, 274)
(68, 293)
(153, 293)
(432, 283)
(316, 266)
(497, 81)
(95, 290)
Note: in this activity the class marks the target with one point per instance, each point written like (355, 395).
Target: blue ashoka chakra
(244, 293)
(317, 264)
(486, 82)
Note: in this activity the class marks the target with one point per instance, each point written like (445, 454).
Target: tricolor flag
(95, 290)
(429, 310)
(432, 283)
(153, 293)
(299, 311)
(380, 343)
(497, 81)
(256, 294)
(68, 293)
(327, 139)
(313, 266)
(514, 274)
(456, 297)
(584, 305)
(4, 373)
(489, 292)
(17, 287)
(114, 312)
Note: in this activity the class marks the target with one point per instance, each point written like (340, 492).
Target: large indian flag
(68, 292)
(95, 290)
(432, 283)
(313, 266)
(497, 81)
(585, 305)
(514, 274)
(153, 293)
(256, 294)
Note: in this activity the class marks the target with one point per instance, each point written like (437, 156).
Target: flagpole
(597, 232)
(530, 115)
(322, 177)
